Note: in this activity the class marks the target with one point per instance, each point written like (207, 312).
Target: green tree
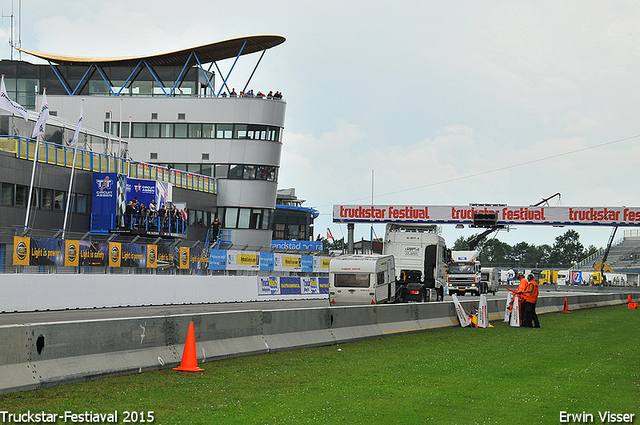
(567, 249)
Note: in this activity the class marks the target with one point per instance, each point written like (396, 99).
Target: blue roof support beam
(224, 83)
(254, 71)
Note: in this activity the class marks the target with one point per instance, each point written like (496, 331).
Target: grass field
(584, 362)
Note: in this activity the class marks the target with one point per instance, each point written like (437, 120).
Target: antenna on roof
(12, 43)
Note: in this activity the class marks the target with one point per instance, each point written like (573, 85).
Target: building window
(205, 156)
(153, 156)
(59, 203)
(182, 116)
(195, 131)
(22, 192)
(139, 129)
(224, 131)
(153, 130)
(166, 131)
(180, 131)
(7, 193)
(154, 115)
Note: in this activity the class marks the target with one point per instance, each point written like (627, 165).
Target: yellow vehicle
(548, 277)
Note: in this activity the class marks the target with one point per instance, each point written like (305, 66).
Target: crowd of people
(156, 218)
(271, 95)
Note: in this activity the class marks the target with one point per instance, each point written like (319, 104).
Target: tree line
(566, 251)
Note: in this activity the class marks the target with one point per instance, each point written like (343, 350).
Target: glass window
(243, 220)
(166, 130)
(279, 232)
(225, 131)
(59, 200)
(139, 129)
(249, 172)
(208, 131)
(195, 131)
(191, 217)
(230, 218)
(7, 193)
(153, 129)
(256, 219)
(222, 171)
(193, 168)
(47, 199)
(351, 280)
(200, 218)
(207, 170)
(240, 131)
(125, 130)
(266, 219)
(220, 213)
(236, 171)
(22, 192)
(180, 131)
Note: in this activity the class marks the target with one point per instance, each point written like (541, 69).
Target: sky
(412, 102)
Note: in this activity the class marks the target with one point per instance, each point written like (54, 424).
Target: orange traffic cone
(189, 361)
(566, 306)
(629, 299)
(632, 305)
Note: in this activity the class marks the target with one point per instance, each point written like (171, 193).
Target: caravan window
(380, 278)
(351, 280)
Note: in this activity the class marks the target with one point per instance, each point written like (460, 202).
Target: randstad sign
(506, 215)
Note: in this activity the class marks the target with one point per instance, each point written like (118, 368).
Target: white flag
(38, 129)
(9, 105)
(74, 140)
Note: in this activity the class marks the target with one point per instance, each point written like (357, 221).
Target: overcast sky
(445, 103)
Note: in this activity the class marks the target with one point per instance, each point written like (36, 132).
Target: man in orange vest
(530, 299)
(522, 286)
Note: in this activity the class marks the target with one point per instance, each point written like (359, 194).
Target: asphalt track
(186, 309)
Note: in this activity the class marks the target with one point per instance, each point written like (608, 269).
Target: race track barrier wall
(45, 354)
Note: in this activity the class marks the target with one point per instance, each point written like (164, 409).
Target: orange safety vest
(522, 287)
(532, 296)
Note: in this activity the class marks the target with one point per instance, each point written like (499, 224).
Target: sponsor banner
(183, 257)
(297, 245)
(242, 260)
(217, 259)
(199, 259)
(72, 253)
(93, 253)
(442, 214)
(266, 261)
(321, 264)
(152, 256)
(21, 249)
(323, 283)
(104, 201)
(144, 190)
(165, 257)
(268, 286)
(287, 262)
(46, 252)
(310, 285)
(114, 254)
(306, 263)
(290, 285)
(133, 255)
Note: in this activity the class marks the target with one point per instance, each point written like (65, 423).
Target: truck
(362, 279)
(421, 257)
(463, 274)
(489, 280)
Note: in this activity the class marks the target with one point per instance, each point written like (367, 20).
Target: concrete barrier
(45, 354)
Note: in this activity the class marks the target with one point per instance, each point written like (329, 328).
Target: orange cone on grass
(189, 361)
(566, 306)
(629, 299)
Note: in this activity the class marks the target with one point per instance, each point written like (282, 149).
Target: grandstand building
(167, 118)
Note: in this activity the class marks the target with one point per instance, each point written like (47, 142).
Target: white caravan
(362, 279)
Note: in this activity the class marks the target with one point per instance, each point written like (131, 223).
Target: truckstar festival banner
(443, 214)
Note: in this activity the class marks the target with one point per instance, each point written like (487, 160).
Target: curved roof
(207, 53)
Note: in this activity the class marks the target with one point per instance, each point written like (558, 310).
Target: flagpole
(74, 141)
(38, 130)
(33, 173)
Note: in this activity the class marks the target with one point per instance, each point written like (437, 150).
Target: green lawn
(587, 361)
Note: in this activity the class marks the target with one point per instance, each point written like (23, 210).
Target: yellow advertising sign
(247, 259)
(325, 263)
(115, 254)
(152, 256)
(184, 257)
(291, 261)
(72, 253)
(21, 248)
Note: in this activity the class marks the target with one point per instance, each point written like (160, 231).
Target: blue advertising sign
(290, 285)
(47, 252)
(307, 263)
(323, 282)
(297, 245)
(266, 261)
(218, 259)
(104, 201)
(144, 190)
